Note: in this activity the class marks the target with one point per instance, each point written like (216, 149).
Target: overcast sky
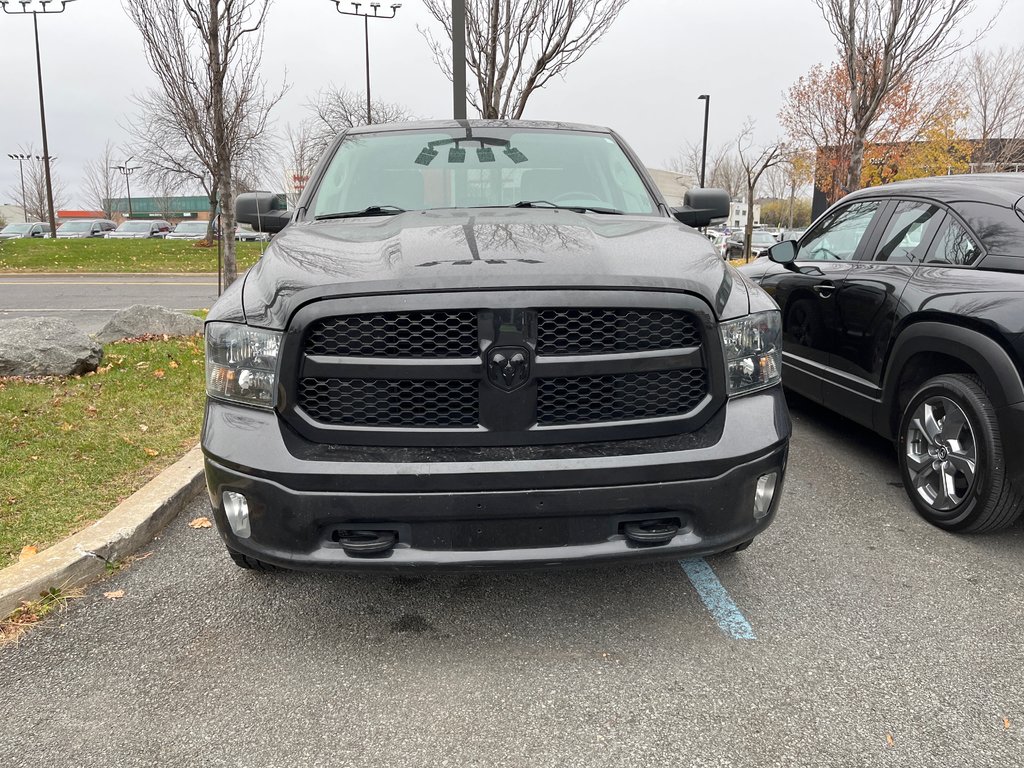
(642, 79)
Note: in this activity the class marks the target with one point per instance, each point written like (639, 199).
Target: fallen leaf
(200, 522)
(92, 410)
(172, 364)
(143, 364)
(889, 739)
(1006, 723)
(151, 451)
(143, 427)
(66, 427)
(27, 552)
(158, 374)
(114, 595)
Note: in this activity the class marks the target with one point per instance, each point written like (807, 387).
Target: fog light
(763, 494)
(236, 509)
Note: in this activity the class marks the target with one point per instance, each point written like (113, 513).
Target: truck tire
(951, 457)
(251, 563)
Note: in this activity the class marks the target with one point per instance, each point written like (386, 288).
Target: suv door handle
(824, 290)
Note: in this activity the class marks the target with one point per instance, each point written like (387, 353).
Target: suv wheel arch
(978, 354)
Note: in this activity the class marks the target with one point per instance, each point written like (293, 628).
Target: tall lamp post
(126, 171)
(704, 144)
(29, 6)
(366, 31)
(21, 170)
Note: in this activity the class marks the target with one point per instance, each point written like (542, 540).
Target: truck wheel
(951, 457)
(251, 563)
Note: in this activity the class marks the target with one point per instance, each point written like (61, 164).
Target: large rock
(142, 319)
(46, 346)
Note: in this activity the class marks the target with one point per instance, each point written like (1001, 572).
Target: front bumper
(477, 510)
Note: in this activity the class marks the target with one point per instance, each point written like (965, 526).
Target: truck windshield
(393, 171)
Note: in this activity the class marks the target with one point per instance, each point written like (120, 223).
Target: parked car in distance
(190, 230)
(901, 309)
(140, 229)
(791, 234)
(451, 356)
(719, 243)
(85, 228)
(760, 242)
(27, 229)
(246, 233)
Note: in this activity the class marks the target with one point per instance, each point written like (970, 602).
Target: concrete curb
(129, 526)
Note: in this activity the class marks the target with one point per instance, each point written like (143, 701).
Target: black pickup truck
(489, 344)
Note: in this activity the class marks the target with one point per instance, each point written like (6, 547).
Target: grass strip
(73, 448)
(102, 255)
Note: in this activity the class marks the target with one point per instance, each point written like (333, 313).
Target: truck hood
(485, 249)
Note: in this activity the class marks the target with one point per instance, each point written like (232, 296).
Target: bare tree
(102, 184)
(723, 168)
(206, 55)
(754, 160)
(302, 150)
(336, 108)
(514, 47)
(995, 98)
(883, 45)
(33, 202)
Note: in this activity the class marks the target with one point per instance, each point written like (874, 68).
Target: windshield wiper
(373, 210)
(577, 208)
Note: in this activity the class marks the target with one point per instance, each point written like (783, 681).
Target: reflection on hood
(484, 249)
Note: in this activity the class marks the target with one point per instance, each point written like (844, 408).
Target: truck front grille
(621, 397)
(442, 334)
(575, 331)
(383, 403)
(499, 376)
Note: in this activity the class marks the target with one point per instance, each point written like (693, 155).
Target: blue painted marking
(717, 600)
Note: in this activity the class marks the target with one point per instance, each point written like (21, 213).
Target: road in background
(89, 301)
(878, 640)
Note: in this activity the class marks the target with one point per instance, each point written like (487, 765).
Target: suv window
(837, 236)
(954, 245)
(909, 233)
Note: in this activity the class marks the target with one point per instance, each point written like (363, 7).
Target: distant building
(673, 185)
(738, 215)
(174, 209)
(12, 214)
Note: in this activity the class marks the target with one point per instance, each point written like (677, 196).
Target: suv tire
(251, 563)
(951, 457)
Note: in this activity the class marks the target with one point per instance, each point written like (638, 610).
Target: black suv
(901, 309)
(489, 344)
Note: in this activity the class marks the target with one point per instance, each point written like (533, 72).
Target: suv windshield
(191, 226)
(75, 226)
(762, 238)
(389, 172)
(135, 226)
(15, 229)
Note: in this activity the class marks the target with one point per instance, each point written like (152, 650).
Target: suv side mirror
(783, 253)
(702, 207)
(263, 211)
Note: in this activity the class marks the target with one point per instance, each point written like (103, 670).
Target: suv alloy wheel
(951, 457)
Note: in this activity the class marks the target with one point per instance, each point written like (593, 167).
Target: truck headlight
(241, 363)
(753, 351)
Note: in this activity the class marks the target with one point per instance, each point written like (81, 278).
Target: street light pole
(27, 6)
(126, 171)
(704, 144)
(366, 32)
(459, 59)
(21, 170)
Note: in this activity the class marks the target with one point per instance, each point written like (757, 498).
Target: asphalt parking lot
(873, 639)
